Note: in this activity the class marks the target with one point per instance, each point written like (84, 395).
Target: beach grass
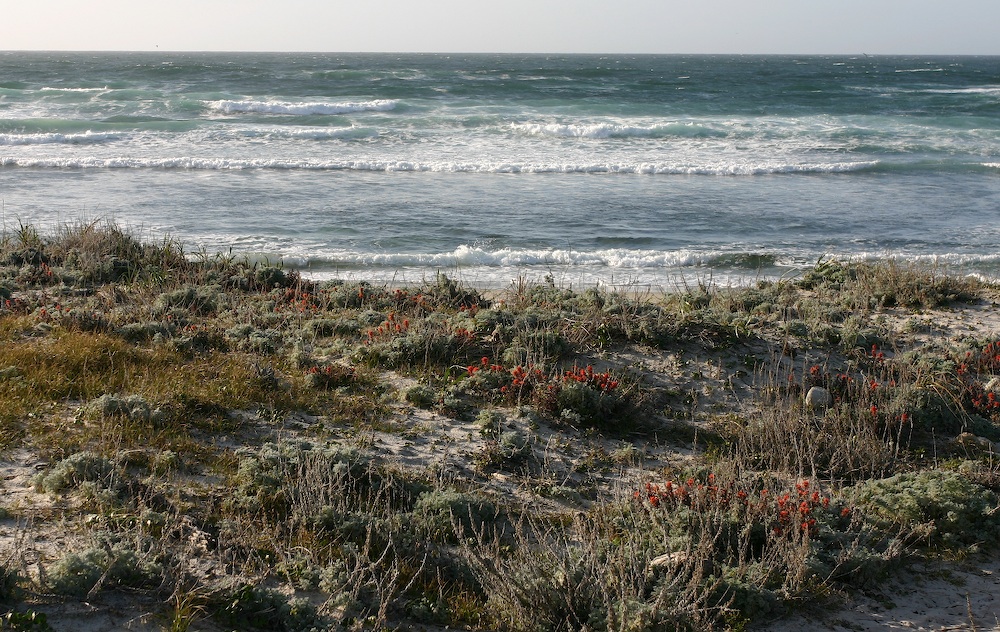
(233, 445)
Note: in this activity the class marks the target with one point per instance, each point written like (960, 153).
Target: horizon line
(438, 53)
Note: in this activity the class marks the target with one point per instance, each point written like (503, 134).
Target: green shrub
(490, 423)
(253, 340)
(277, 476)
(580, 404)
(113, 565)
(76, 469)
(329, 376)
(944, 507)
(28, 621)
(436, 513)
(509, 451)
(132, 407)
(201, 300)
(253, 607)
(415, 348)
(324, 327)
(421, 396)
(9, 579)
(350, 295)
(536, 347)
(354, 526)
(447, 292)
(29, 256)
(269, 277)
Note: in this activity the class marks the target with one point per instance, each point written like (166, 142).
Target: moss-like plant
(76, 469)
(77, 574)
(436, 514)
(131, 407)
(942, 507)
(257, 608)
(421, 396)
(196, 299)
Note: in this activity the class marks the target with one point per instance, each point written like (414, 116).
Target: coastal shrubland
(234, 445)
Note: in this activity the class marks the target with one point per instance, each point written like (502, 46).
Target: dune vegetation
(225, 444)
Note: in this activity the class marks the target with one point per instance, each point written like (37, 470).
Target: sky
(525, 26)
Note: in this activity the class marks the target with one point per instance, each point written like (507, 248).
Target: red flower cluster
(528, 381)
(988, 360)
(330, 375)
(390, 327)
(484, 365)
(15, 305)
(524, 379)
(524, 376)
(465, 335)
(786, 514)
(986, 404)
(293, 299)
(792, 515)
(876, 356)
(600, 381)
(975, 398)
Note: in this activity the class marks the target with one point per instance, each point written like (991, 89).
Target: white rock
(818, 397)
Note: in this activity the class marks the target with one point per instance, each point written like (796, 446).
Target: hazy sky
(559, 26)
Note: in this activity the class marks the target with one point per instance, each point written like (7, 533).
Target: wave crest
(84, 138)
(187, 162)
(301, 109)
(614, 130)
(478, 256)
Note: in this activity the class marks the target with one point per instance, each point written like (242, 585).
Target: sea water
(649, 171)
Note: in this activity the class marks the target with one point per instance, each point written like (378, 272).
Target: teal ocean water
(643, 170)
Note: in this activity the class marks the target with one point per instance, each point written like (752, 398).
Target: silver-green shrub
(437, 513)
(77, 574)
(944, 506)
(202, 300)
(131, 407)
(76, 469)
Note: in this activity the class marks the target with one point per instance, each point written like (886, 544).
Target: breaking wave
(610, 130)
(85, 138)
(301, 109)
(477, 256)
(719, 169)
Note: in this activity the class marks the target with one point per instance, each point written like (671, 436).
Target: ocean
(641, 171)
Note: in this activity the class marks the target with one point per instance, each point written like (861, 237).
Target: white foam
(301, 109)
(471, 255)
(987, 90)
(942, 260)
(338, 133)
(67, 139)
(603, 263)
(640, 282)
(187, 162)
(57, 89)
(479, 266)
(614, 130)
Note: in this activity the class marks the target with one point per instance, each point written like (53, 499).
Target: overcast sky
(547, 26)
